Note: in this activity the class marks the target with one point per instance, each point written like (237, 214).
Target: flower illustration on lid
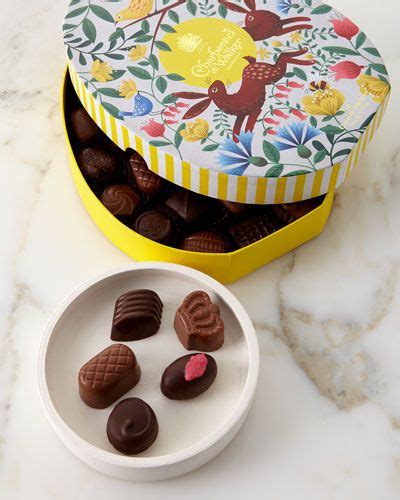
(153, 128)
(101, 71)
(137, 53)
(127, 89)
(296, 37)
(239, 154)
(189, 42)
(345, 28)
(284, 6)
(325, 102)
(346, 69)
(195, 131)
(296, 135)
(376, 88)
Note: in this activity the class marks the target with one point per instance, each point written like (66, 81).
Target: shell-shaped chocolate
(120, 199)
(198, 323)
(147, 181)
(108, 376)
(205, 241)
(137, 315)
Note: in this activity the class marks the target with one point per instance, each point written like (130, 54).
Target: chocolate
(252, 229)
(205, 241)
(198, 323)
(84, 127)
(156, 226)
(97, 164)
(189, 206)
(147, 181)
(108, 376)
(289, 212)
(132, 426)
(235, 208)
(137, 315)
(120, 199)
(188, 376)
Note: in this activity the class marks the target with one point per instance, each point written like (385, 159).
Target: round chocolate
(84, 127)
(132, 426)
(120, 199)
(97, 164)
(189, 376)
(154, 225)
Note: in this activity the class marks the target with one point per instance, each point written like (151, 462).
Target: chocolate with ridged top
(252, 229)
(156, 226)
(205, 241)
(120, 199)
(132, 426)
(137, 315)
(84, 127)
(189, 376)
(198, 323)
(147, 181)
(108, 376)
(97, 164)
(289, 212)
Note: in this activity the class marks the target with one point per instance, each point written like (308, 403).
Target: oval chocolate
(189, 376)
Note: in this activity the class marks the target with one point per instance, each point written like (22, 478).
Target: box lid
(238, 100)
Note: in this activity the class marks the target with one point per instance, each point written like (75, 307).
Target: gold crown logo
(189, 42)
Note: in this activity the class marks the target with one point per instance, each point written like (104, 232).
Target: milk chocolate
(137, 315)
(97, 164)
(108, 376)
(198, 323)
(84, 127)
(189, 206)
(252, 229)
(156, 226)
(205, 241)
(132, 426)
(120, 199)
(235, 208)
(147, 181)
(189, 376)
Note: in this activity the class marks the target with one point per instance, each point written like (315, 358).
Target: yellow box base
(227, 267)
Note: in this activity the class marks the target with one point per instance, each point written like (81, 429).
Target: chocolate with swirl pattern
(120, 199)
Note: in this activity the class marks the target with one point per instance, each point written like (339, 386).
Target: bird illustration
(142, 107)
(262, 24)
(249, 99)
(135, 10)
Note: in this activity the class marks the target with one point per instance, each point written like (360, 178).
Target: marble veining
(326, 420)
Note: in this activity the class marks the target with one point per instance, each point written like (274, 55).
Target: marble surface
(326, 421)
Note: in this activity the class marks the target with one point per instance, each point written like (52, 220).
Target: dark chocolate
(97, 164)
(188, 376)
(132, 426)
(205, 241)
(289, 212)
(147, 181)
(84, 127)
(137, 315)
(198, 323)
(236, 208)
(156, 226)
(108, 376)
(120, 199)
(252, 229)
(189, 206)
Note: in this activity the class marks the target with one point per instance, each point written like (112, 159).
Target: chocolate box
(238, 101)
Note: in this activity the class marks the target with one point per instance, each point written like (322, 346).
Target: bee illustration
(322, 85)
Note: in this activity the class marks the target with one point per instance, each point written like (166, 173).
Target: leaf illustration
(297, 172)
(118, 57)
(145, 26)
(318, 145)
(169, 99)
(313, 121)
(111, 109)
(159, 144)
(82, 59)
(319, 156)
(271, 152)
(372, 51)
(332, 130)
(211, 147)
(167, 28)
(274, 171)
(344, 51)
(380, 68)
(343, 152)
(153, 61)
(173, 16)
(89, 29)
(76, 12)
(178, 138)
(258, 161)
(321, 9)
(161, 84)
(141, 73)
(144, 38)
(191, 7)
(360, 40)
(162, 46)
(300, 73)
(109, 92)
(66, 27)
(102, 13)
(175, 77)
(117, 73)
(223, 11)
(69, 53)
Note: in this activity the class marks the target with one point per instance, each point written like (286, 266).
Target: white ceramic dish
(191, 432)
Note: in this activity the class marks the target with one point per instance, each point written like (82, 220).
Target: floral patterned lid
(284, 89)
